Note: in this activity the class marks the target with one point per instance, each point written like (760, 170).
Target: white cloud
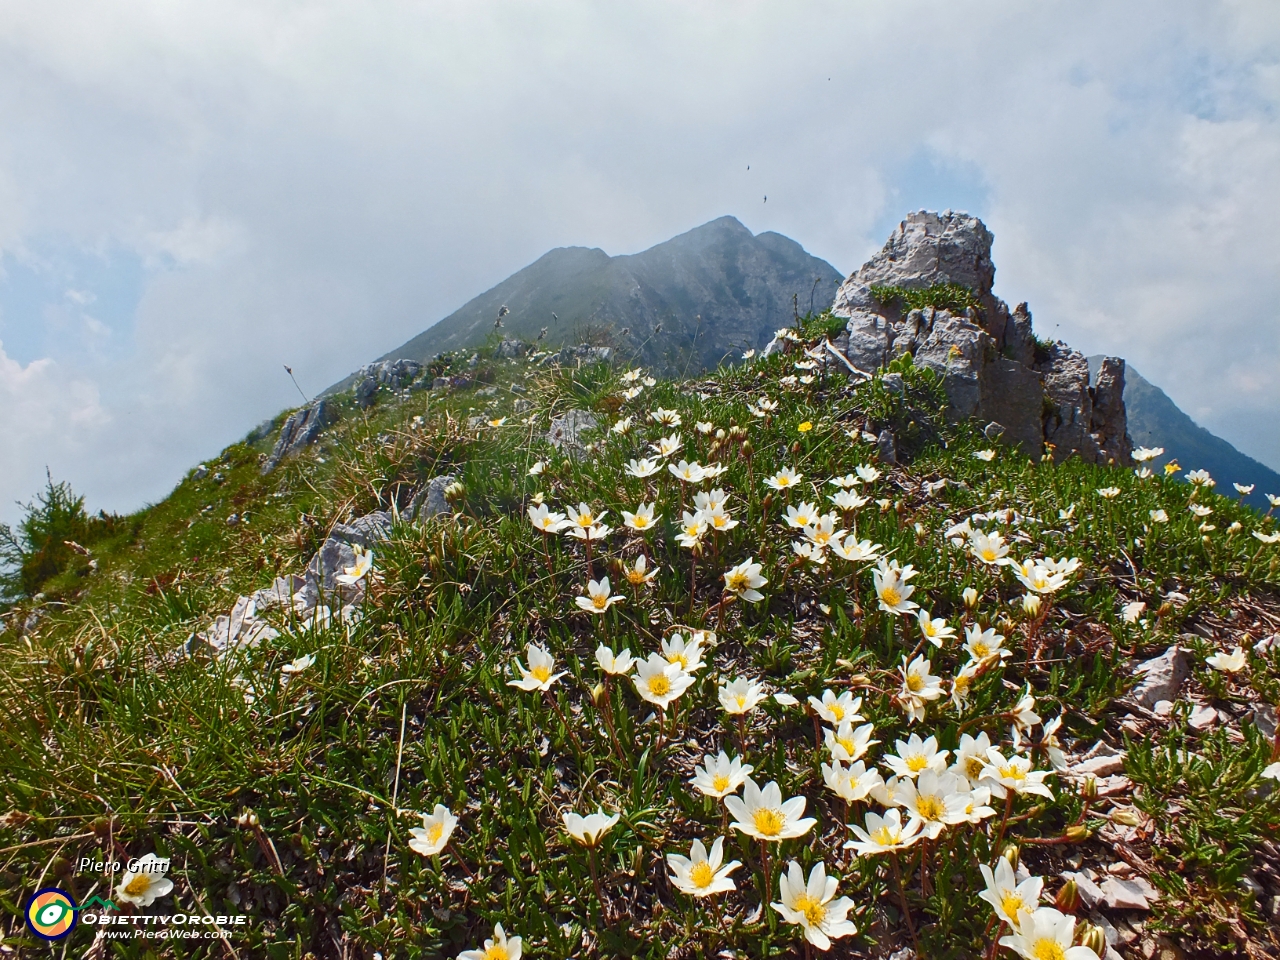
(313, 184)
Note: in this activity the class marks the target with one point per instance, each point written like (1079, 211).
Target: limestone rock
(300, 430)
(337, 553)
(567, 431)
(583, 353)
(512, 349)
(1133, 894)
(366, 391)
(990, 361)
(1162, 677)
(430, 501)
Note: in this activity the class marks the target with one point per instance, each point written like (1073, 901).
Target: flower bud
(454, 492)
(596, 693)
(1011, 853)
(1078, 833)
(248, 820)
(767, 502)
(1068, 899)
(795, 448)
(1031, 604)
(970, 597)
(720, 434)
(1129, 816)
(1093, 937)
(1089, 789)
(747, 448)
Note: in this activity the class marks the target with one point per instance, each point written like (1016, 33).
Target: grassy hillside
(282, 781)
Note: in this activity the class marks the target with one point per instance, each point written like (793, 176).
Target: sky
(193, 195)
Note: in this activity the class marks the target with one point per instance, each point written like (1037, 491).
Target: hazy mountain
(1156, 421)
(712, 291)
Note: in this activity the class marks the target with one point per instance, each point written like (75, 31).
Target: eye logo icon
(51, 913)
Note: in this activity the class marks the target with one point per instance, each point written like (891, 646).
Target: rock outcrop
(300, 431)
(991, 363)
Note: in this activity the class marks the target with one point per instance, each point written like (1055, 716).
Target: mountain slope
(683, 303)
(1156, 421)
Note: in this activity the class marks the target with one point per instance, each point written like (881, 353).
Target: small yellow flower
(805, 427)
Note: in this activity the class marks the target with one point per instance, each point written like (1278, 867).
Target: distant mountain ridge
(1156, 421)
(686, 303)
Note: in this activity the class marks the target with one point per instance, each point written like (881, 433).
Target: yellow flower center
(989, 555)
(678, 658)
(884, 836)
(635, 577)
(640, 522)
(915, 683)
(742, 702)
(540, 673)
(701, 875)
(962, 683)
(929, 807)
(737, 581)
(973, 768)
(720, 783)
(496, 952)
(1046, 949)
(138, 885)
(659, 685)
(890, 596)
(812, 909)
(719, 521)
(980, 649)
(917, 762)
(1010, 903)
(599, 601)
(846, 744)
(822, 538)
(691, 530)
(783, 481)
(836, 711)
(768, 822)
(1011, 772)
(434, 832)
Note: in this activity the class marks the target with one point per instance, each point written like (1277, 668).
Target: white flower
(704, 426)
(598, 598)
(1108, 493)
(1024, 712)
(1015, 774)
(1012, 901)
(915, 756)
(962, 685)
(884, 834)
(810, 905)
(720, 775)
(666, 446)
(851, 783)
(668, 418)
(988, 548)
(642, 468)
(867, 473)
(848, 500)
(1232, 662)
(545, 521)
(304, 662)
(784, 699)
(847, 482)
(1199, 509)
(857, 551)
(801, 516)
(1143, 454)
(740, 696)
(810, 552)
(1039, 577)
(971, 758)
(539, 675)
(982, 645)
(584, 518)
(935, 631)
(892, 587)
(1273, 500)
(744, 580)
(1158, 516)
(836, 710)
(499, 948)
(719, 520)
(687, 472)
(887, 793)
(432, 837)
(643, 519)
(784, 479)
(356, 572)
(762, 813)
(985, 455)
(1244, 489)
(622, 426)
(145, 882)
(1267, 537)
(631, 376)
(659, 681)
(918, 687)
(708, 501)
(686, 655)
(935, 801)
(748, 354)
(1047, 933)
(591, 829)
(1200, 478)
(1271, 771)
(638, 574)
(617, 664)
(700, 875)
(824, 532)
(1130, 612)
(692, 527)
(847, 743)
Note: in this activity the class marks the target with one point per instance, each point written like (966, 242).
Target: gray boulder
(1162, 677)
(366, 391)
(337, 552)
(567, 430)
(988, 355)
(583, 353)
(391, 373)
(512, 349)
(300, 430)
(430, 501)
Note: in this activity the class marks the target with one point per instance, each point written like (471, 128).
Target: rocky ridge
(1035, 394)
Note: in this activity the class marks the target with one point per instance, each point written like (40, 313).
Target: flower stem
(902, 899)
(1004, 821)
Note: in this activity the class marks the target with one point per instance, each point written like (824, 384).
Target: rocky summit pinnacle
(928, 292)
